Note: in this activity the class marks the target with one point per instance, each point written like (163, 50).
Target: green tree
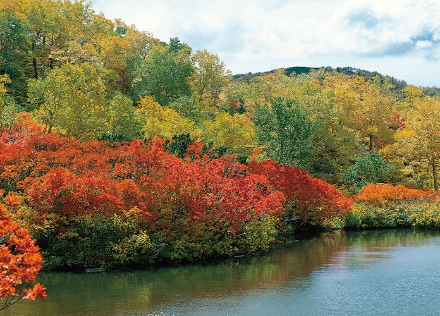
(163, 121)
(286, 131)
(163, 73)
(8, 108)
(368, 168)
(123, 122)
(14, 55)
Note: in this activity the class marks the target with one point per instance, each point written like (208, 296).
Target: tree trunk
(434, 174)
(34, 61)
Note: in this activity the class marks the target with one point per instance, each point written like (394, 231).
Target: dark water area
(392, 272)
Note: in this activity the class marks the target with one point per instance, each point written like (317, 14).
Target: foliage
(71, 193)
(162, 121)
(395, 214)
(209, 78)
(8, 108)
(164, 73)
(368, 168)
(379, 206)
(419, 141)
(20, 261)
(122, 240)
(71, 99)
(384, 193)
(310, 200)
(233, 132)
(285, 130)
(123, 122)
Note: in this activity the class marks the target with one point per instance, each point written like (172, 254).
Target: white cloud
(390, 36)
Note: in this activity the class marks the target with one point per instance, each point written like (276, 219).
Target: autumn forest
(153, 153)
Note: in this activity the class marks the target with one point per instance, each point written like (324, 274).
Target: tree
(209, 78)
(164, 73)
(20, 262)
(162, 121)
(419, 140)
(366, 110)
(123, 122)
(14, 42)
(285, 129)
(235, 132)
(368, 168)
(71, 99)
(8, 108)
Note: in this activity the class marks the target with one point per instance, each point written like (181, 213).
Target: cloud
(392, 27)
(257, 35)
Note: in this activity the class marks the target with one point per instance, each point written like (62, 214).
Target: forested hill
(298, 70)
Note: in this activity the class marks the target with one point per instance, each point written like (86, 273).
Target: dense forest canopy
(82, 75)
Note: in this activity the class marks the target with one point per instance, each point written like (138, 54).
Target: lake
(392, 272)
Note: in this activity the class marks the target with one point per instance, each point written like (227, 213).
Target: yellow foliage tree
(162, 121)
(419, 141)
(72, 99)
(365, 109)
(235, 132)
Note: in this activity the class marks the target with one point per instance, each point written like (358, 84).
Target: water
(392, 272)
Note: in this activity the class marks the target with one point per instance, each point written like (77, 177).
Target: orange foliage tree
(383, 193)
(20, 262)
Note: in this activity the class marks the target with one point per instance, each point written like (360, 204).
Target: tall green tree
(164, 73)
(8, 108)
(14, 55)
(286, 131)
(123, 122)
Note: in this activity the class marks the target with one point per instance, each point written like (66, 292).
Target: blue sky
(400, 38)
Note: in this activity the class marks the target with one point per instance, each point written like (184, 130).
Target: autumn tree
(236, 133)
(419, 141)
(209, 78)
(263, 89)
(20, 261)
(366, 110)
(71, 99)
(163, 121)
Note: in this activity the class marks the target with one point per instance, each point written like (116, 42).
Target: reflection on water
(338, 273)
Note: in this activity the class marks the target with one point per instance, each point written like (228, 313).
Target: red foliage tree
(312, 200)
(20, 262)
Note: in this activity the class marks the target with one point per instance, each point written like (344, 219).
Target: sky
(399, 38)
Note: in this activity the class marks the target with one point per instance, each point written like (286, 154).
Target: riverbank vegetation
(118, 150)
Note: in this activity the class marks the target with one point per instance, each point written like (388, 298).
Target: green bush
(417, 214)
(96, 241)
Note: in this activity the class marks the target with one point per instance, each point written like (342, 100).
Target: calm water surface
(393, 272)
